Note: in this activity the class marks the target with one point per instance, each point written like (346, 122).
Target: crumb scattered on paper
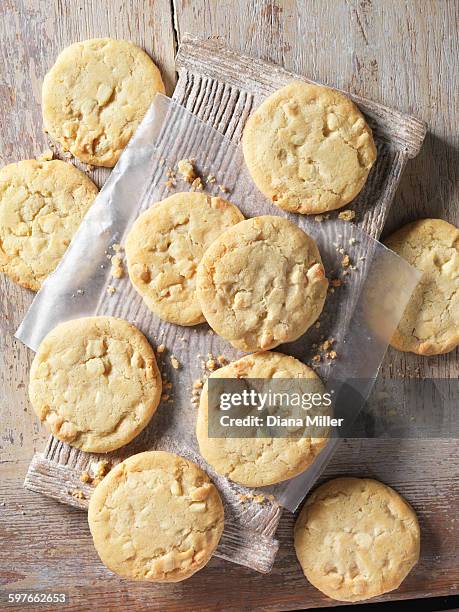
(117, 266)
(347, 215)
(175, 362)
(345, 262)
(186, 170)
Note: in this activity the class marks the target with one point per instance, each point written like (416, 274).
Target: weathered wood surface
(403, 54)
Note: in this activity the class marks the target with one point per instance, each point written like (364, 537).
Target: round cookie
(156, 517)
(261, 283)
(41, 206)
(258, 462)
(308, 148)
(430, 323)
(95, 96)
(164, 247)
(356, 538)
(95, 383)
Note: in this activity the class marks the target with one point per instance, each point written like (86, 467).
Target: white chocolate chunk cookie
(41, 206)
(95, 383)
(308, 148)
(166, 244)
(356, 538)
(258, 462)
(95, 96)
(156, 517)
(430, 323)
(261, 283)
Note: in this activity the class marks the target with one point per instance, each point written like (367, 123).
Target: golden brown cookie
(261, 283)
(356, 538)
(95, 383)
(258, 462)
(430, 323)
(308, 148)
(166, 244)
(156, 517)
(95, 96)
(42, 203)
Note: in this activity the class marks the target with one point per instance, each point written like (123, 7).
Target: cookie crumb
(85, 477)
(165, 397)
(197, 384)
(197, 184)
(99, 469)
(211, 365)
(345, 262)
(175, 362)
(186, 169)
(111, 289)
(318, 218)
(347, 215)
(161, 348)
(332, 355)
(46, 156)
(337, 282)
(89, 168)
(117, 247)
(117, 267)
(222, 360)
(211, 179)
(223, 189)
(317, 358)
(77, 494)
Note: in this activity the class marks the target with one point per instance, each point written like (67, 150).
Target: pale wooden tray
(222, 88)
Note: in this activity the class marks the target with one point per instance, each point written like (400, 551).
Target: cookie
(430, 323)
(41, 206)
(95, 96)
(258, 462)
(356, 538)
(308, 148)
(156, 517)
(261, 283)
(95, 383)
(164, 247)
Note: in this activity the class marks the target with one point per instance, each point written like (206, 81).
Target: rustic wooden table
(404, 54)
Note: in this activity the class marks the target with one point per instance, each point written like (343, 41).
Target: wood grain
(403, 54)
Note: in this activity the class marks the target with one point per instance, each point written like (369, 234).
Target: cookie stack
(258, 283)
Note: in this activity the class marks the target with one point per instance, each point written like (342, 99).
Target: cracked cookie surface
(41, 206)
(308, 148)
(156, 517)
(258, 462)
(261, 283)
(356, 538)
(95, 96)
(166, 244)
(430, 323)
(95, 383)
